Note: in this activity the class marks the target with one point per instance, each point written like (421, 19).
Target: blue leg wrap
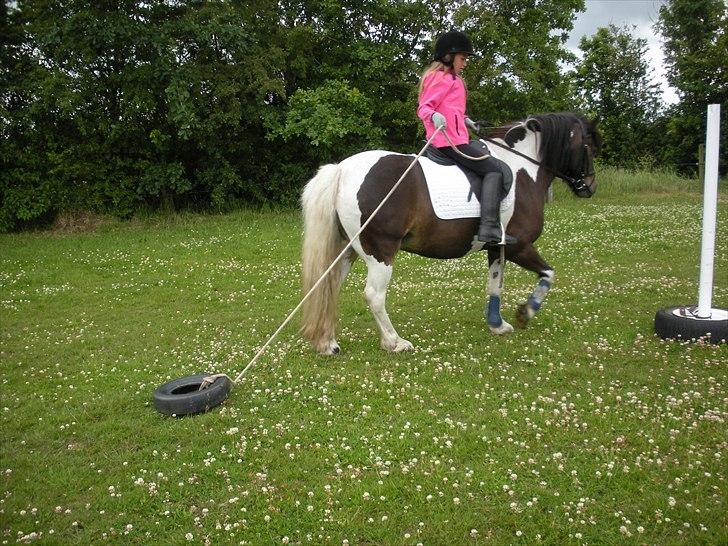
(493, 312)
(535, 300)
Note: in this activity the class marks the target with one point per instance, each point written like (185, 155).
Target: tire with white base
(183, 397)
(681, 323)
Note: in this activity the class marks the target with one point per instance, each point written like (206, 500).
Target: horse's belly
(445, 250)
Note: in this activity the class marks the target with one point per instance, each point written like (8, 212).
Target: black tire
(182, 397)
(671, 326)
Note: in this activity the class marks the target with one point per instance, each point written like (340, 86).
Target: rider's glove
(439, 120)
(474, 126)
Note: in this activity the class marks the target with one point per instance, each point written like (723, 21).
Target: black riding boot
(490, 231)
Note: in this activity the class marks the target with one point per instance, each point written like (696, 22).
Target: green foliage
(615, 85)
(696, 49)
(113, 107)
(129, 104)
(696, 55)
(332, 117)
(126, 106)
(520, 46)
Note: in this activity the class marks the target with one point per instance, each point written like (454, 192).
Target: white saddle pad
(451, 194)
(450, 191)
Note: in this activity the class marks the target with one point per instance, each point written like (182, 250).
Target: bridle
(576, 184)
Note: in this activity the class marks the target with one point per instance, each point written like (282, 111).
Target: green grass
(583, 428)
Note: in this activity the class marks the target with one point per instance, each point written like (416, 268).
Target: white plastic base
(692, 313)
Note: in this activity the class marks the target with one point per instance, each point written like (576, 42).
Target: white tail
(322, 243)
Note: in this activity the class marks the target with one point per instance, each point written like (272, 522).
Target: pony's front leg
(378, 276)
(496, 267)
(530, 259)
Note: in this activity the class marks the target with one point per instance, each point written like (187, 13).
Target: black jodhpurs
(480, 167)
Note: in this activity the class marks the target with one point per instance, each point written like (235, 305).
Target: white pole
(710, 203)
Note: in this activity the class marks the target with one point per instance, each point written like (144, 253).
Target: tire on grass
(668, 325)
(183, 397)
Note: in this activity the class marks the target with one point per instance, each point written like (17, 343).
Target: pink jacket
(445, 93)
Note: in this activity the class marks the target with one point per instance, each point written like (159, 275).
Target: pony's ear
(533, 125)
(596, 121)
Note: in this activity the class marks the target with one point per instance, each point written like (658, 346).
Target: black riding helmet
(450, 43)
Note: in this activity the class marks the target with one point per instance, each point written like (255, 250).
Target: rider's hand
(439, 120)
(474, 126)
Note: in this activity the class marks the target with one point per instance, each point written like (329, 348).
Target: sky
(641, 13)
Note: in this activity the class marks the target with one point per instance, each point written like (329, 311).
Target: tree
(695, 36)
(127, 104)
(521, 47)
(113, 106)
(380, 49)
(614, 84)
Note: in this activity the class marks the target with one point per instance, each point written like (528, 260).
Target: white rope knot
(210, 379)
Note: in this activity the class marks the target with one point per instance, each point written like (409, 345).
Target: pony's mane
(555, 130)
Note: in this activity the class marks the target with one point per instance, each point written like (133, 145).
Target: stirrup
(504, 241)
(493, 238)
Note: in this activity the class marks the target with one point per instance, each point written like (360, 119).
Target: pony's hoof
(400, 345)
(524, 314)
(330, 350)
(504, 328)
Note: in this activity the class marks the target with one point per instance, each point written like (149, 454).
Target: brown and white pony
(341, 197)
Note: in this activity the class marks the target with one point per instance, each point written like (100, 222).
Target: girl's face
(460, 62)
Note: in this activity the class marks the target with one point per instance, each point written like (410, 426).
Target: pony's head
(569, 143)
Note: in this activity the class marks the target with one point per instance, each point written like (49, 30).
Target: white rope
(466, 156)
(212, 378)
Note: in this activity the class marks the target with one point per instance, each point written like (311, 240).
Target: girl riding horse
(442, 106)
(347, 217)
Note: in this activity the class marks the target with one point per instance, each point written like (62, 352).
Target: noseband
(578, 184)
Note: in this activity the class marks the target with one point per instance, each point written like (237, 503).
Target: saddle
(493, 164)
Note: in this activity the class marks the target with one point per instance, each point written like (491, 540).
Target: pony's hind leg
(378, 277)
(496, 267)
(331, 346)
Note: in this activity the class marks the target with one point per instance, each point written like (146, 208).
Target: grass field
(582, 429)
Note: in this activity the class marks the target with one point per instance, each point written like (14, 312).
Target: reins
(461, 154)
(577, 184)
